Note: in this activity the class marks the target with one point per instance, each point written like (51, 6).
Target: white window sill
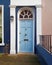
(2, 44)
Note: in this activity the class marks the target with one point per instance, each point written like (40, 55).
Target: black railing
(46, 42)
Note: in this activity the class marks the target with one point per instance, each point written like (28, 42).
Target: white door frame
(13, 31)
(18, 27)
(13, 27)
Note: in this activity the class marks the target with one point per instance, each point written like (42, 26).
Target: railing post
(50, 42)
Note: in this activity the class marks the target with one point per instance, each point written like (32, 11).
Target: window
(26, 14)
(1, 25)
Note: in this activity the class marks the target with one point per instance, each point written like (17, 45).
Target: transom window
(26, 14)
(1, 25)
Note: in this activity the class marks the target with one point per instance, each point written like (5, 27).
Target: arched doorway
(26, 30)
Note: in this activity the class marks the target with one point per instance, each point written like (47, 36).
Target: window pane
(21, 16)
(29, 12)
(0, 37)
(26, 16)
(0, 24)
(0, 28)
(25, 11)
(0, 16)
(22, 13)
(31, 16)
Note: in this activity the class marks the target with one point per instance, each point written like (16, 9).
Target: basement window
(1, 25)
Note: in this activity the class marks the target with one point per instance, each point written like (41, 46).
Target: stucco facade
(47, 17)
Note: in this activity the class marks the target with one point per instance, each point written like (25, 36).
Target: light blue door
(26, 38)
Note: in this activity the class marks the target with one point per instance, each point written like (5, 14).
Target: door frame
(34, 22)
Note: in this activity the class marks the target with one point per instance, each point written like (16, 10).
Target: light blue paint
(26, 36)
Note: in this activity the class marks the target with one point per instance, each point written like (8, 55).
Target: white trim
(18, 27)
(13, 51)
(14, 6)
(18, 31)
(34, 22)
(13, 32)
(1, 44)
(38, 23)
(25, 2)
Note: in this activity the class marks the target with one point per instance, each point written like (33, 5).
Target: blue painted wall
(6, 4)
(44, 56)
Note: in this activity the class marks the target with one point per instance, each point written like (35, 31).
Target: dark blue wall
(44, 56)
(6, 4)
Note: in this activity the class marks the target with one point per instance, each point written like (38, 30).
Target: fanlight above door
(26, 13)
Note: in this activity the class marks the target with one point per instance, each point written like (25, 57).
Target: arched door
(26, 30)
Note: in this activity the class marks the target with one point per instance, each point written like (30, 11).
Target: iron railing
(46, 42)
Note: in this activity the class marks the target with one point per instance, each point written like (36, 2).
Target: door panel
(26, 36)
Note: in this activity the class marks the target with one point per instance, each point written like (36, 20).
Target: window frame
(1, 44)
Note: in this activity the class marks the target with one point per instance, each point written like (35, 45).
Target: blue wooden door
(26, 30)
(26, 36)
